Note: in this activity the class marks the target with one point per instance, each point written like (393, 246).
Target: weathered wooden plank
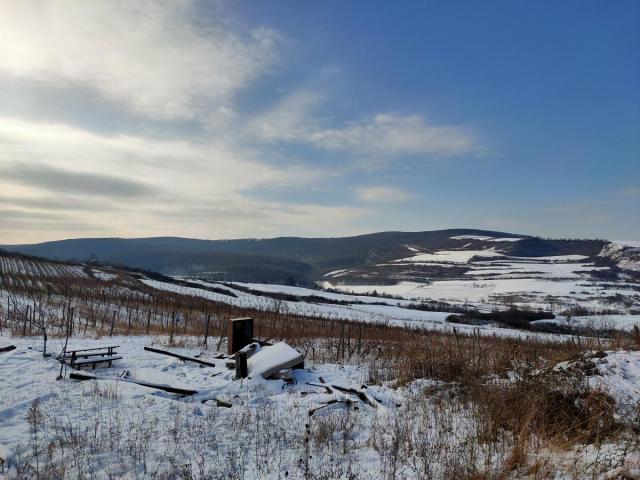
(219, 403)
(106, 347)
(88, 355)
(167, 388)
(361, 395)
(186, 358)
(89, 361)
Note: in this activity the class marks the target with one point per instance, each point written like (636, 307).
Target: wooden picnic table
(91, 356)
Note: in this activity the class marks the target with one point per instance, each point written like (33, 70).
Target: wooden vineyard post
(206, 329)
(241, 365)
(113, 322)
(240, 334)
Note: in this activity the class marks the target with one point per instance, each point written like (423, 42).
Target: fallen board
(7, 349)
(87, 376)
(361, 395)
(181, 357)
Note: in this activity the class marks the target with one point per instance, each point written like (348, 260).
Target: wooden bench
(91, 356)
(94, 361)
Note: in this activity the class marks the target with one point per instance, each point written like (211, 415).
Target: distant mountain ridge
(297, 260)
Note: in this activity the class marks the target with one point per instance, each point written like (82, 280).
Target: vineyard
(16, 264)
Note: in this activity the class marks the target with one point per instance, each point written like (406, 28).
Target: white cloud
(91, 184)
(292, 119)
(389, 134)
(381, 194)
(168, 165)
(153, 56)
(288, 120)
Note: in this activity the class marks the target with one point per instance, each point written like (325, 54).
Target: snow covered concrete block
(273, 359)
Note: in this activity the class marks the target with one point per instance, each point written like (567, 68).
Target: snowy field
(387, 314)
(394, 312)
(488, 291)
(492, 279)
(307, 428)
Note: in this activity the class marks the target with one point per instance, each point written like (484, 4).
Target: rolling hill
(304, 261)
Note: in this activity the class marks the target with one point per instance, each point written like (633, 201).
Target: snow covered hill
(481, 269)
(303, 261)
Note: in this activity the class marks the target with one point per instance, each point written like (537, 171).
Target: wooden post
(240, 334)
(206, 329)
(222, 333)
(173, 327)
(241, 365)
(113, 322)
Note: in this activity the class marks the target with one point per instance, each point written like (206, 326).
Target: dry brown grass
(557, 409)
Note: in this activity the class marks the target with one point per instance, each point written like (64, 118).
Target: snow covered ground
(101, 429)
(392, 312)
(25, 376)
(307, 292)
(486, 238)
(478, 290)
(491, 278)
(388, 314)
(628, 243)
(616, 373)
(453, 256)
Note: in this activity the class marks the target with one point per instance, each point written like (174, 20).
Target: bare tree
(44, 318)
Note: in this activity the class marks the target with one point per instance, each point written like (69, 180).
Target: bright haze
(257, 119)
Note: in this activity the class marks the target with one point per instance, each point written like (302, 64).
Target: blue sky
(267, 118)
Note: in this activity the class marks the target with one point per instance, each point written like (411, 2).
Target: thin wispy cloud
(56, 180)
(382, 194)
(290, 119)
(179, 188)
(295, 118)
(390, 134)
(198, 168)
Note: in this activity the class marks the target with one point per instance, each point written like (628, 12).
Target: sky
(321, 118)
